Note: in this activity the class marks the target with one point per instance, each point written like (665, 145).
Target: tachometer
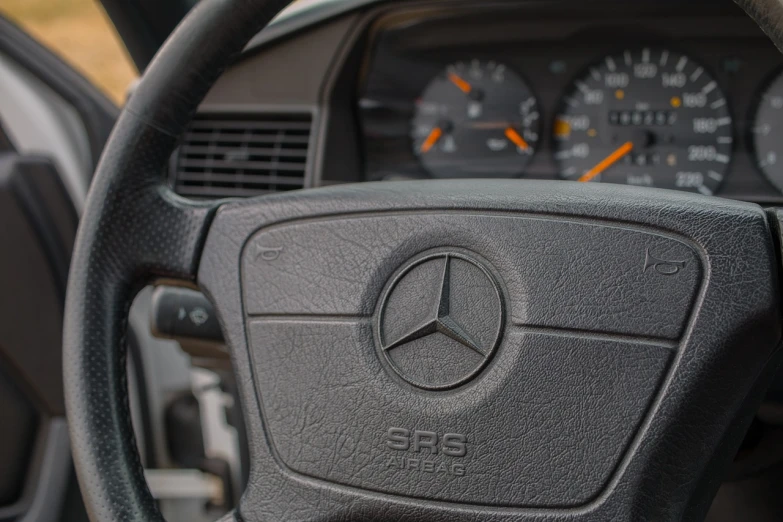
(476, 119)
(648, 117)
(768, 132)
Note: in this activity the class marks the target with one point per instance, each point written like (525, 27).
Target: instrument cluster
(693, 110)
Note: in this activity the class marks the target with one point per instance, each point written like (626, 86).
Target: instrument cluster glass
(459, 96)
(649, 117)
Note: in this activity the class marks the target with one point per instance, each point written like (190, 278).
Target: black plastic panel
(17, 437)
(36, 237)
(39, 224)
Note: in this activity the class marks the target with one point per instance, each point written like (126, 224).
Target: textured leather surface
(559, 274)
(566, 283)
(546, 422)
(133, 230)
(734, 332)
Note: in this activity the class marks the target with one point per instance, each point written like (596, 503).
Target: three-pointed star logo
(440, 320)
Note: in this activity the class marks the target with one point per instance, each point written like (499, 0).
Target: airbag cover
(524, 385)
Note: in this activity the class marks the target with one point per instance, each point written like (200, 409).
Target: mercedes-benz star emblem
(441, 320)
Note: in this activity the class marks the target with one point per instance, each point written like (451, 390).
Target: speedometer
(648, 117)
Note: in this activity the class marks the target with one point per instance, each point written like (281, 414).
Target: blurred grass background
(79, 32)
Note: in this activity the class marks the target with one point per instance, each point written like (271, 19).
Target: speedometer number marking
(646, 117)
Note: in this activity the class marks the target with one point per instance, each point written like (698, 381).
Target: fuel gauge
(476, 119)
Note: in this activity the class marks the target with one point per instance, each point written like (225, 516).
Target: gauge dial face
(648, 117)
(768, 132)
(476, 119)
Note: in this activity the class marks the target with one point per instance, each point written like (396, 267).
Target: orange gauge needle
(515, 138)
(610, 160)
(460, 83)
(431, 140)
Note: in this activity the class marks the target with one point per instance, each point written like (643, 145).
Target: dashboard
(677, 94)
(685, 96)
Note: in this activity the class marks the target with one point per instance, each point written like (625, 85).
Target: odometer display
(649, 117)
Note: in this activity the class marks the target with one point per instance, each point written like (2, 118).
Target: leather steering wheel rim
(135, 230)
(129, 198)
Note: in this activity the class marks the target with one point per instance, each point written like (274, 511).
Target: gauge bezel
(753, 110)
(538, 127)
(636, 47)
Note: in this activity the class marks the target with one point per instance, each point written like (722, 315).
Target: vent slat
(227, 156)
(187, 164)
(219, 192)
(253, 125)
(189, 150)
(191, 137)
(240, 179)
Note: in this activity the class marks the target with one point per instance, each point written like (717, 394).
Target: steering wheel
(462, 350)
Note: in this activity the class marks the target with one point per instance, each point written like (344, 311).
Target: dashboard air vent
(242, 155)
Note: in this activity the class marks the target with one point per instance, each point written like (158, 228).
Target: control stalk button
(182, 312)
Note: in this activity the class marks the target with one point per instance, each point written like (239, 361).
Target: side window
(80, 32)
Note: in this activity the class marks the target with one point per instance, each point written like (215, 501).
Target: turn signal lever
(187, 316)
